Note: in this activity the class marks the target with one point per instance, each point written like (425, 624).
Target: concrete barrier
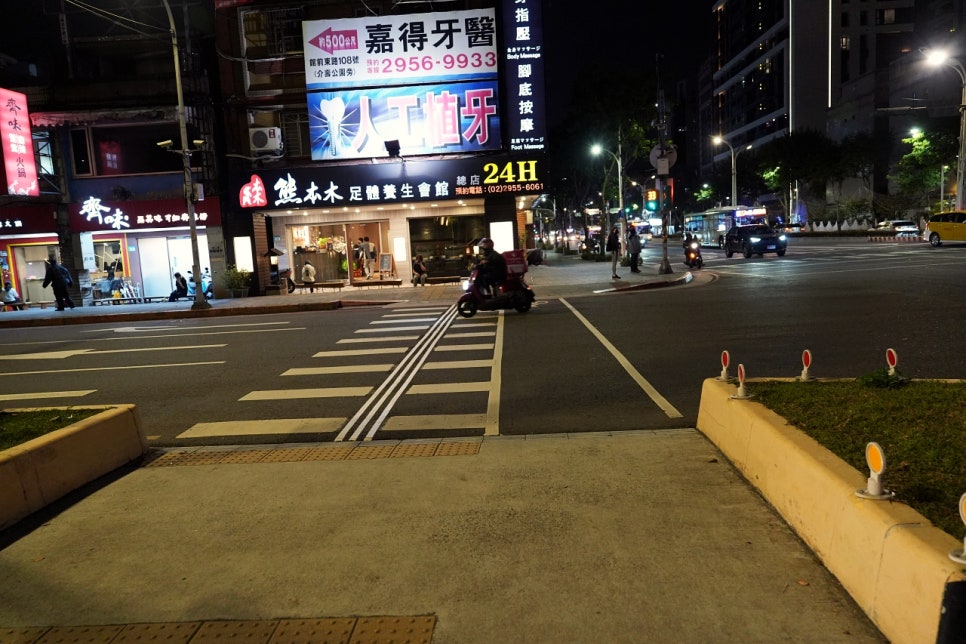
(42, 470)
(890, 558)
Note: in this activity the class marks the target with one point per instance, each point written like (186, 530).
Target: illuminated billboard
(393, 50)
(18, 146)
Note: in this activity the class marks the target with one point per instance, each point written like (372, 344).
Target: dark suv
(756, 239)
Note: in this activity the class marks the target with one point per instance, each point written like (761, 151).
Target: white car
(897, 227)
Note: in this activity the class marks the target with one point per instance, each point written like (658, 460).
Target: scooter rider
(491, 269)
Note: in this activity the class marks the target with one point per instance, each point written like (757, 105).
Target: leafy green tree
(805, 157)
(917, 174)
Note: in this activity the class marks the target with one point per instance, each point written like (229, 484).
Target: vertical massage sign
(428, 81)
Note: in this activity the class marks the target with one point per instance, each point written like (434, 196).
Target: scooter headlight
(465, 285)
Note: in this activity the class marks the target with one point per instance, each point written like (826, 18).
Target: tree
(803, 159)
(917, 173)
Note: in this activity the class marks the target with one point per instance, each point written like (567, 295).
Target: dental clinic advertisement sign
(392, 50)
(18, 146)
(428, 81)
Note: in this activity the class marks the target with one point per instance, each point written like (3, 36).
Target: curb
(40, 471)
(889, 558)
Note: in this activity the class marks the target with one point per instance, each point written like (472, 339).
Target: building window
(845, 19)
(272, 47)
(295, 134)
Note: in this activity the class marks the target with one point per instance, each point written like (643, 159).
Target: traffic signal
(650, 200)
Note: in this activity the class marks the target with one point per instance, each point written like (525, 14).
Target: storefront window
(446, 243)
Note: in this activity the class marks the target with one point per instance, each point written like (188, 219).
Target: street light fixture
(718, 140)
(936, 58)
(200, 301)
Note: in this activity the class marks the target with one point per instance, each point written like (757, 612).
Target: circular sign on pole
(725, 359)
(875, 457)
(962, 508)
(892, 358)
(741, 374)
(959, 556)
(667, 154)
(806, 358)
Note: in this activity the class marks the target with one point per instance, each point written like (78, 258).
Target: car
(754, 239)
(945, 226)
(592, 244)
(897, 227)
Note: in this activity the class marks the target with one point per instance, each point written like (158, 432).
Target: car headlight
(781, 238)
(754, 240)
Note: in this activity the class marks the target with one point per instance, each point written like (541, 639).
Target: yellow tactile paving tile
(296, 454)
(177, 633)
(314, 631)
(384, 629)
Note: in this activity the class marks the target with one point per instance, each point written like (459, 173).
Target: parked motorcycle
(692, 255)
(206, 285)
(513, 293)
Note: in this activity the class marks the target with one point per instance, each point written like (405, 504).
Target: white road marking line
(641, 381)
(298, 394)
(57, 355)
(440, 421)
(492, 427)
(136, 366)
(464, 347)
(459, 364)
(472, 334)
(422, 309)
(138, 329)
(373, 412)
(47, 394)
(350, 368)
(391, 338)
(398, 328)
(360, 352)
(450, 388)
(403, 321)
(272, 426)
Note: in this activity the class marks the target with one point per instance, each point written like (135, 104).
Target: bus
(711, 225)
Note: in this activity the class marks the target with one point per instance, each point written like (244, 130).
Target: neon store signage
(18, 145)
(385, 183)
(97, 215)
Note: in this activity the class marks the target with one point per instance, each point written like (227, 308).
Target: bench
(12, 306)
(337, 284)
(117, 300)
(42, 305)
(382, 282)
(164, 298)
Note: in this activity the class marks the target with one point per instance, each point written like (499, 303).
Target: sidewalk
(561, 276)
(647, 536)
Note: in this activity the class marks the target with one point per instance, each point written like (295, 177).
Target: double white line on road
(370, 417)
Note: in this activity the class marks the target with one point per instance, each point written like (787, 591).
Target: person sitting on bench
(11, 298)
(180, 288)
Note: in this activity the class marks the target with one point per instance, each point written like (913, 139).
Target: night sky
(627, 33)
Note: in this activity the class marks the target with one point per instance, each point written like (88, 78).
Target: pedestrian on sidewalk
(634, 248)
(58, 278)
(308, 276)
(614, 248)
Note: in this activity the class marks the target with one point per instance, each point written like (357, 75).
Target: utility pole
(665, 267)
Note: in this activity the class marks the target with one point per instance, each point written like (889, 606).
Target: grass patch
(21, 426)
(921, 425)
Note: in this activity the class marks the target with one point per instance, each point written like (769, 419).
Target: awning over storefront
(103, 117)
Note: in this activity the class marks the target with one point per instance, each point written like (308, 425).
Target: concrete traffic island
(890, 558)
(40, 471)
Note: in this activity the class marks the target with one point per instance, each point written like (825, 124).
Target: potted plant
(236, 281)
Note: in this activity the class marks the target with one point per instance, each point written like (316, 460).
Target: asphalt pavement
(641, 536)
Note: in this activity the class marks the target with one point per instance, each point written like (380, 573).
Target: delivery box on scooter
(516, 262)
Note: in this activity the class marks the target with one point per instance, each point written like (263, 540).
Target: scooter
(692, 255)
(514, 293)
(206, 284)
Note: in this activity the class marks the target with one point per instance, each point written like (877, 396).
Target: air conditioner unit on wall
(265, 139)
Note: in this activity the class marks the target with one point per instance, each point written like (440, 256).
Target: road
(585, 363)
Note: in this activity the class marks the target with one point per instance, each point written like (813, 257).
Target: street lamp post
(938, 57)
(718, 140)
(200, 301)
(596, 150)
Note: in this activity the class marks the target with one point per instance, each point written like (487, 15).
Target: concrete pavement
(644, 536)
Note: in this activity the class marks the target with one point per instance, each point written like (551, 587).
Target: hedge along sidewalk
(44, 469)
